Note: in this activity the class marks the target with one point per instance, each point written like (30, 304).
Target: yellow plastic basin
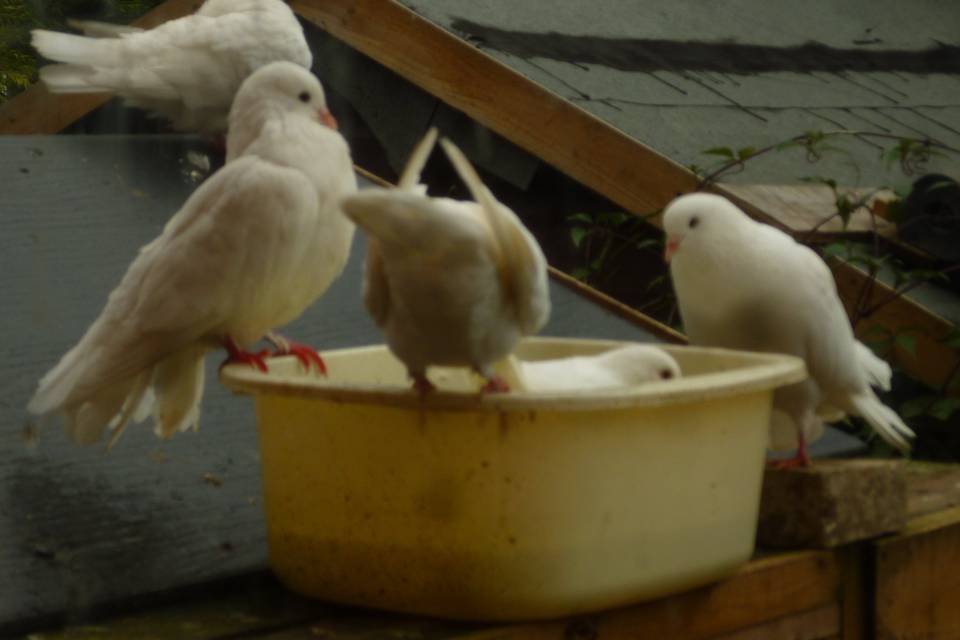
(510, 506)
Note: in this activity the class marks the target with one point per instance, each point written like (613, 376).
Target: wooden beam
(560, 133)
(574, 141)
(37, 111)
(625, 311)
(917, 584)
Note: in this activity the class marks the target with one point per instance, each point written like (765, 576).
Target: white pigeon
(451, 283)
(625, 366)
(745, 285)
(251, 248)
(186, 70)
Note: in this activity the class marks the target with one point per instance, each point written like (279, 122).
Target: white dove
(186, 70)
(251, 248)
(449, 282)
(742, 284)
(624, 366)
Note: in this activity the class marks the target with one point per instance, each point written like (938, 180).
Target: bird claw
(799, 461)
(306, 354)
(246, 357)
(422, 384)
(495, 384)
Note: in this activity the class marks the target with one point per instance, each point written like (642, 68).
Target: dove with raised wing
(186, 70)
(625, 366)
(741, 284)
(251, 248)
(449, 282)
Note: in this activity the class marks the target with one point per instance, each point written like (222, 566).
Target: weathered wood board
(80, 526)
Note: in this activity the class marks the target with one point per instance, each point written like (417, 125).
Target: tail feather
(178, 387)
(133, 406)
(73, 49)
(883, 419)
(87, 420)
(96, 29)
(72, 78)
(56, 386)
(878, 371)
(418, 159)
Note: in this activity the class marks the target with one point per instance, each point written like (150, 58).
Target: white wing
(181, 286)
(520, 262)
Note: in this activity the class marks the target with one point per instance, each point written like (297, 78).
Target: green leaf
(576, 235)
(835, 249)
(943, 408)
(725, 152)
(746, 152)
(789, 144)
(580, 273)
(612, 218)
(585, 218)
(845, 208)
(917, 406)
(907, 342)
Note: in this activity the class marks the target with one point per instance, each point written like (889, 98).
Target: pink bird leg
(495, 384)
(799, 461)
(422, 384)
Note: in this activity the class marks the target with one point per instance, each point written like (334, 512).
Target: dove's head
(280, 87)
(700, 222)
(640, 363)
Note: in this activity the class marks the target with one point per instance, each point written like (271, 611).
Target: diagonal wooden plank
(37, 111)
(577, 143)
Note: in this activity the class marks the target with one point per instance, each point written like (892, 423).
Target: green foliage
(17, 71)
(18, 61)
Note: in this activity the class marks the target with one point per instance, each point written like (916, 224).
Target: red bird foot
(237, 355)
(495, 384)
(422, 384)
(799, 461)
(306, 354)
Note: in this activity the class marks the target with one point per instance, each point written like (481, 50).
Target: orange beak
(326, 118)
(673, 244)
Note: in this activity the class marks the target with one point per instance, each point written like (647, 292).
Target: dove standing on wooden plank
(742, 284)
(256, 244)
(186, 70)
(624, 366)
(449, 282)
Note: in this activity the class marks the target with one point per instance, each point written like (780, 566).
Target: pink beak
(327, 119)
(673, 244)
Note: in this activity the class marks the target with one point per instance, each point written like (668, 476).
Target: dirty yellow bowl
(512, 506)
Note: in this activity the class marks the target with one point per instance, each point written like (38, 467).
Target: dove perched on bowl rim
(449, 282)
(251, 248)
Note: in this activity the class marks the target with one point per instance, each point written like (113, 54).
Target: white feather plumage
(251, 248)
(745, 285)
(449, 282)
(186, 70)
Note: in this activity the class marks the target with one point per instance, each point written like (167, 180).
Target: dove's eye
(694, 221)
(304, 96)
(666, 374)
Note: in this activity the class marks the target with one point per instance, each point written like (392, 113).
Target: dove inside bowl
(510, 506)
